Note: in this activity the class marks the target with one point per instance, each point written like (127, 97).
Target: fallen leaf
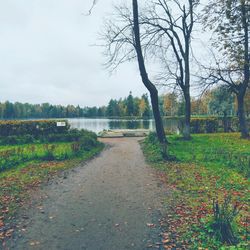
(150, 225)
(165, 241)
(9, 232)
(1, 223)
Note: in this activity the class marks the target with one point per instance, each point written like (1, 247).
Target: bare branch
(92, 7)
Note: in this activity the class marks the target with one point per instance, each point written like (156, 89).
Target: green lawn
(27, 166)
(39, 148)
(230, 142)
(209, 167)
(12, 156)
(220, 151)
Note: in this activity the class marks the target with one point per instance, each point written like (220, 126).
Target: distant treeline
(127, 107)
(216, 102)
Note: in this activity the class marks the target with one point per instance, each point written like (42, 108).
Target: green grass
(28, 169)
(16, 181)
(220, 151)
(39, 149)
(211, 166)
(12, 156)
(38, 145)
(229, 142)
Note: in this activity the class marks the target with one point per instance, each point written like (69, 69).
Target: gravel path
(111, 203)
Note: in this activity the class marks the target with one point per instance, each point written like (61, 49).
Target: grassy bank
(53, 145)
(12, 156)
(24, 167)
(17, 183)
(209, 168)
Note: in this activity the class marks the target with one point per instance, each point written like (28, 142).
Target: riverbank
(172, 124)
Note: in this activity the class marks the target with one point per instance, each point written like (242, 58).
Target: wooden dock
(123, 133)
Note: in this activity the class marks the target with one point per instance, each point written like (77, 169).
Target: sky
(47, 54)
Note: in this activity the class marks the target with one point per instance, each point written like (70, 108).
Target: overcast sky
(46, 54)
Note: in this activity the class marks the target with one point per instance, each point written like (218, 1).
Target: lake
(98, 125)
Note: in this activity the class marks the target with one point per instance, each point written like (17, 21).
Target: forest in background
(215, 102)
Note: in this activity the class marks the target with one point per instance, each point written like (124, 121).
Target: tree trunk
(241, 115)
(157, 116)
(186, 131)
(245, 85)
(148, 84)
(186, 90)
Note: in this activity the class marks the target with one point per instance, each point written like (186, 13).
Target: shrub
(204, 125)
(213, 124)
(88, 140)
(34, 128)
(224, 216)
(72, 135)
(13, 140)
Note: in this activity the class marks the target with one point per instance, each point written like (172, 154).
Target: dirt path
(103, 205)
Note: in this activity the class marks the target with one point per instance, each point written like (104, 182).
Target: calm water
(97, 125)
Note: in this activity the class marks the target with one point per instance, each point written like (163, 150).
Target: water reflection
(97, 125)
(130, 124)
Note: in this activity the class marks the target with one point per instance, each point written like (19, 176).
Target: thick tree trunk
(148, 84)
(186, 89)
(241, 115)
(245, 84)
(186, 131)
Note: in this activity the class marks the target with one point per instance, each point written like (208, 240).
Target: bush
(213, 124)
(34, 128)
(204, 125)
(88, 141)
(69, 136)
(72, 135)
(224, 216)
(13, 140)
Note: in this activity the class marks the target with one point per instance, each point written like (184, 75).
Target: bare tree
(145, 79)
(123, 42)
(170, 24)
